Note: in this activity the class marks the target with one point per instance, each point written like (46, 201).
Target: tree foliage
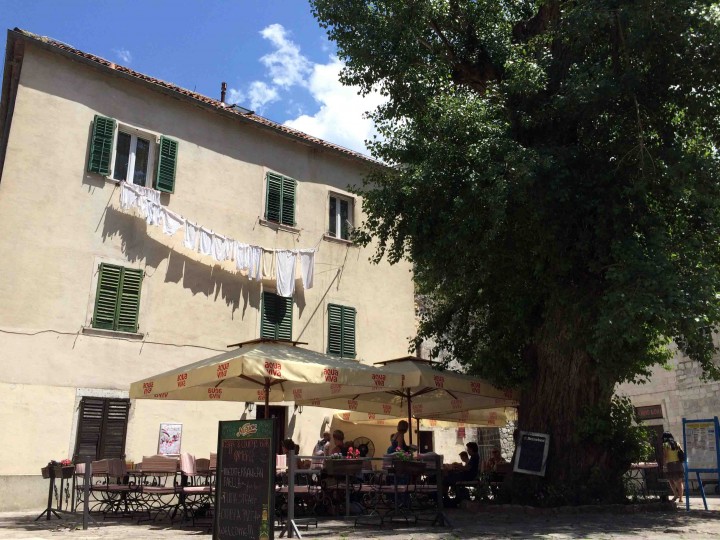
(550, 156)
(554, 179)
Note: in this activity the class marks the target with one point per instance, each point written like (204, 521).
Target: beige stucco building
(61, 224)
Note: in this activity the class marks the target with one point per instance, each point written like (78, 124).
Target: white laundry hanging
(218, 249)
(285, 268)
(205, 241)
(153, 214)
(255, 262)
(191, 236)
(242, 256)
(171, 221)
(307, 267)
(128, 196)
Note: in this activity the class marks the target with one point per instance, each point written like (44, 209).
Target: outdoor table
(637, 475)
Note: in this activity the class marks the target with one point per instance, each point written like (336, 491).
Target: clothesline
(248, 258)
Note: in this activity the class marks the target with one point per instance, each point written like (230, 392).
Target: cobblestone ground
(667, 524)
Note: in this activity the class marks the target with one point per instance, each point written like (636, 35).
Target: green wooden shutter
(129, 301)
(276, 317)
(335, 330)
(273, 198)
(348, 332)
(166, 166)
(101, 145)
(106, 297)
(288, 202)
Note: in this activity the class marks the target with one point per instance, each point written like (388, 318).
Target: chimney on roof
(223, 89)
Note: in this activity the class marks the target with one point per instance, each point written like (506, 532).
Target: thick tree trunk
(565, 387)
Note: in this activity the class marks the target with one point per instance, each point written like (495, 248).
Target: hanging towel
(171, 221)
(229, 249)
(154, 213)
(242, 256)
(307, 264)
(205, 241)
(150, 194)
(285, 267)
(268, 264)
(218, 249)
(128, 196)
(255, 262)
(191, 236)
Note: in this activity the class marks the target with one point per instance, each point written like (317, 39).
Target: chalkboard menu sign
(245, 482)
(531, 454)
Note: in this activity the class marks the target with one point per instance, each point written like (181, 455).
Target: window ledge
(279, 226)
(335, 239)
(90, 331)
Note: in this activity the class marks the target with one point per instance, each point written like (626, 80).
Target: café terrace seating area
(181, 491)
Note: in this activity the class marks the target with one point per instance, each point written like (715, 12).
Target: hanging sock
(255, 262)
(285, 266)
(205, 241)
(307, 267)
(171, 221)
(191, 236)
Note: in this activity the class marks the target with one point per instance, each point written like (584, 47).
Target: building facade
(94, 298)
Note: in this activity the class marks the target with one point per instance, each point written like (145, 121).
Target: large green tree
(555, 183)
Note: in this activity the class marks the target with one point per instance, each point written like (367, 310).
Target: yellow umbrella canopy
(479, 418)
(426, 393)
(264, 370)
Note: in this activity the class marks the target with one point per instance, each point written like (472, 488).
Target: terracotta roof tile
(250, 116)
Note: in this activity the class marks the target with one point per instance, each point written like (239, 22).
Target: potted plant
(338, 465)
(58, 469)
(406, 464)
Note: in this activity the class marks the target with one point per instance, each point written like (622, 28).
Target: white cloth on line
(307, 267)
(154, 213)
(205, 241)
(285, 261)
(218, 248)
(128, 196)
(150, 194)
(191, 236)
(171, 221)
(268, 264)
(255, 262)
(242, 256)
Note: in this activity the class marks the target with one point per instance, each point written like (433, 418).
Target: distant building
(94, 298)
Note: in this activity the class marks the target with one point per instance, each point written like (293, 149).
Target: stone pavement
(510, 523)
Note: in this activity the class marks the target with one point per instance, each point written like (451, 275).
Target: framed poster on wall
(170, 439)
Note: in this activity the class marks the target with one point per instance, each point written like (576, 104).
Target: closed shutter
(341, 331)
(117, 300)
(112, 440)
(102, 428)
(288, 202)
(106, 297)
(273, 199)
(129, 302)
(167, 165)
(101, 145)
(276, 317)
(87, 442)
(348, 332)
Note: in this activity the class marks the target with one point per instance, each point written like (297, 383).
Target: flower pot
(410, 468)
(343, 466)
(57, 471)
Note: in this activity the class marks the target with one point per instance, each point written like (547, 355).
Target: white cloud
(286, 65)
(340, 118)
(123, 54)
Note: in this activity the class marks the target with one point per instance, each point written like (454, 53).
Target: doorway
(425, 441)
(278, 412)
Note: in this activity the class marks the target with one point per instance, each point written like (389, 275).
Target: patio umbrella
(264, 370)
(479, 418)
(426, 393)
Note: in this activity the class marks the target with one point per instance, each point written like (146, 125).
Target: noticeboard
(701, 444)
(245, 480)
(532, 452)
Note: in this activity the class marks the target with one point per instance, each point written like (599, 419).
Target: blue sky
(272, 53)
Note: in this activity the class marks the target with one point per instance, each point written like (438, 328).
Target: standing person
(673, 459)
(397, 440)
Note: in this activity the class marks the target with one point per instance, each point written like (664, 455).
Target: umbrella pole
(267, 397)
(409, 417)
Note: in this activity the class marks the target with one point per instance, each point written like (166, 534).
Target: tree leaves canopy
(546, 157)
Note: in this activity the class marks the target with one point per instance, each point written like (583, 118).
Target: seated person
(337, 444)
(397, 440)
(469, 471)
(491, 463)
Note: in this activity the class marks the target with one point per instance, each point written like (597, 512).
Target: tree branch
(549, 12)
